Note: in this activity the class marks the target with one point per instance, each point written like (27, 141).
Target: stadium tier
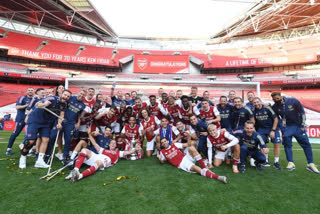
(58, 74)
(290, 52)
(9, 93)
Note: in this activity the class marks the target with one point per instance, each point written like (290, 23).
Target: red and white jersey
(89, 103)
(114, 155)
(222, 139)
(157, 110)
(182, 133)
(184, 114)
(174, 112)
(211, 114)
(173, 154)
(108, 120)
(153, 122)
(137, 109)
(165, 105)
(118, 115)
(131, 132)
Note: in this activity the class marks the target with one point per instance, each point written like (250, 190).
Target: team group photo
(110, 114)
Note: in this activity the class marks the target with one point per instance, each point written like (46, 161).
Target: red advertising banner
(234, 62)
(32, 76)
(58, 57)
(9, 125)
(313, 131)
(157, 64)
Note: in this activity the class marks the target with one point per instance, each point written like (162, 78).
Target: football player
(186, 162)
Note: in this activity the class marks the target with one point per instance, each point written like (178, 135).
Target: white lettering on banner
(92, 60)
(300, 81)
(273, 60)
(168, 64)
(78, 59)
(46, 56)
(104, 61)
(313, 132)
(58, 57)
(246, 62)
(30, 53)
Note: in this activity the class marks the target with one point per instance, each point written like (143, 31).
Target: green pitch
(156, 188)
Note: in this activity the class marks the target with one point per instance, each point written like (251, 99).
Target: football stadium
(165, 106)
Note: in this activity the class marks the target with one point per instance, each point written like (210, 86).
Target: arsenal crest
(142, 63)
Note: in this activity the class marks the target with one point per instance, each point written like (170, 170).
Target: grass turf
(158, 188)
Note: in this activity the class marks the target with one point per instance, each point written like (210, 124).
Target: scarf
(166, 133)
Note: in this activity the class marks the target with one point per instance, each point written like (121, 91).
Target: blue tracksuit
(74, 109)
(249, 146)
(293, 119)
(102, 142)
(239, 117)
(225, 114)
(264, 121)
(21, 115)
(201, 127)
(33, 102)
(250, 106)
(116, 102)
(130, 102)
(40, 121)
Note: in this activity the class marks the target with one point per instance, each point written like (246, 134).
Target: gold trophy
(133, 145)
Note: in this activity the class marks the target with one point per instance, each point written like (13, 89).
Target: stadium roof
(272, 16)
(70, 15)
(219, 20)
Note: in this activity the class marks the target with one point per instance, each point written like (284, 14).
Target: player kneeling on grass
(104, 159)
(250, 141)
(222, 141)
(186, 162)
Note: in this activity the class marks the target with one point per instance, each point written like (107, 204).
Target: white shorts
(150, 144)
(96, 157)
(221, 155)
(103, 128)
(83, 128)
(115, 127)
(186, 164)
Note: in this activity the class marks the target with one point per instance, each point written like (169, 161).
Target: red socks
(80, 160)
(200, 161)
(89, 171)
(236, 161)
(208, 174)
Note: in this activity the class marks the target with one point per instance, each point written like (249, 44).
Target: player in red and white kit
(155, 108)
(223, 142)
(186, 109)
(129, 132)
(87, 118)
(89, 99)
(186, 162)
(210, 113)
(173, 110)
(109, 118)
(138, 106)
(104, 159)
(164, 100)
(184, 131)
(147, 126)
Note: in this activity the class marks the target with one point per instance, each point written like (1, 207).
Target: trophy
(133, 145)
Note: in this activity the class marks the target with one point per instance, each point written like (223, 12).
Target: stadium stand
(296, 51)
(9, 93)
